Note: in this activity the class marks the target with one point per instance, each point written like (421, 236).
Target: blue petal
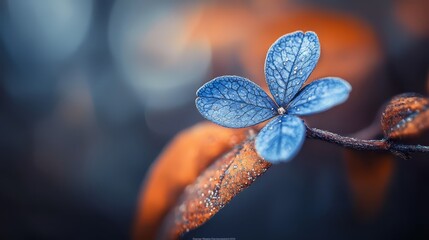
(290, 60)
(234, 102)
(319, 96)
(281, 139)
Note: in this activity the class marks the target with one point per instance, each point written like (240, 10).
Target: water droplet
(235, 166)
(182, 208)
(311, 98)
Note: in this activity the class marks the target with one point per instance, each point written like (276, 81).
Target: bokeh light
(155, 51)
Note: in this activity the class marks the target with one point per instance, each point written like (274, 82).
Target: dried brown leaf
(181, 162)
(214, 188)
(406, 115)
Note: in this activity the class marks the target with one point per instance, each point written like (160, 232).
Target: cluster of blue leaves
(236, 102)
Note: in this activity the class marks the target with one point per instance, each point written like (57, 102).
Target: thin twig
(366, 145)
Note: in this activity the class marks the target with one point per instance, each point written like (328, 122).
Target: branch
(382, 145)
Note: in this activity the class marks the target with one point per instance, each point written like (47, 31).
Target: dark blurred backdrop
(91, 91)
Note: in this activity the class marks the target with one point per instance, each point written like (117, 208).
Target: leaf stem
(381, 145)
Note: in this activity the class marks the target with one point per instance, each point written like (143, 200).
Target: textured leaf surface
(186, 157)
(214, 188)
(319, 96)
(235, 102)
(281, 139)
(406, 115)
(290, 61)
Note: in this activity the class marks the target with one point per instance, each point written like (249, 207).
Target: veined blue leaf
(234, 102)
(290, 60)
(319, 96)
(281, 139)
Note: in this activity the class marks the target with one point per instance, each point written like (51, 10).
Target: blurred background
(91, 91)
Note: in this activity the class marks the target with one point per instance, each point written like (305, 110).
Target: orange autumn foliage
(413, 16)
(349, 47)
(181, 162)
(369, 175)
(406, 115)
(214, 188)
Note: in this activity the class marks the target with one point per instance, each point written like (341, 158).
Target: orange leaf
(406, 115)
(214, 188)
(369, 176)
(412, 15)
(179, 165)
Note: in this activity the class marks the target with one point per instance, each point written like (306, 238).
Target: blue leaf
(319, 96)
(234, 102)
(290, 60)
(281, 139)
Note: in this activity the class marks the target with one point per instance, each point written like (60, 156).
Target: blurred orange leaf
(413, 16)
(350, 47)
(369, 176)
